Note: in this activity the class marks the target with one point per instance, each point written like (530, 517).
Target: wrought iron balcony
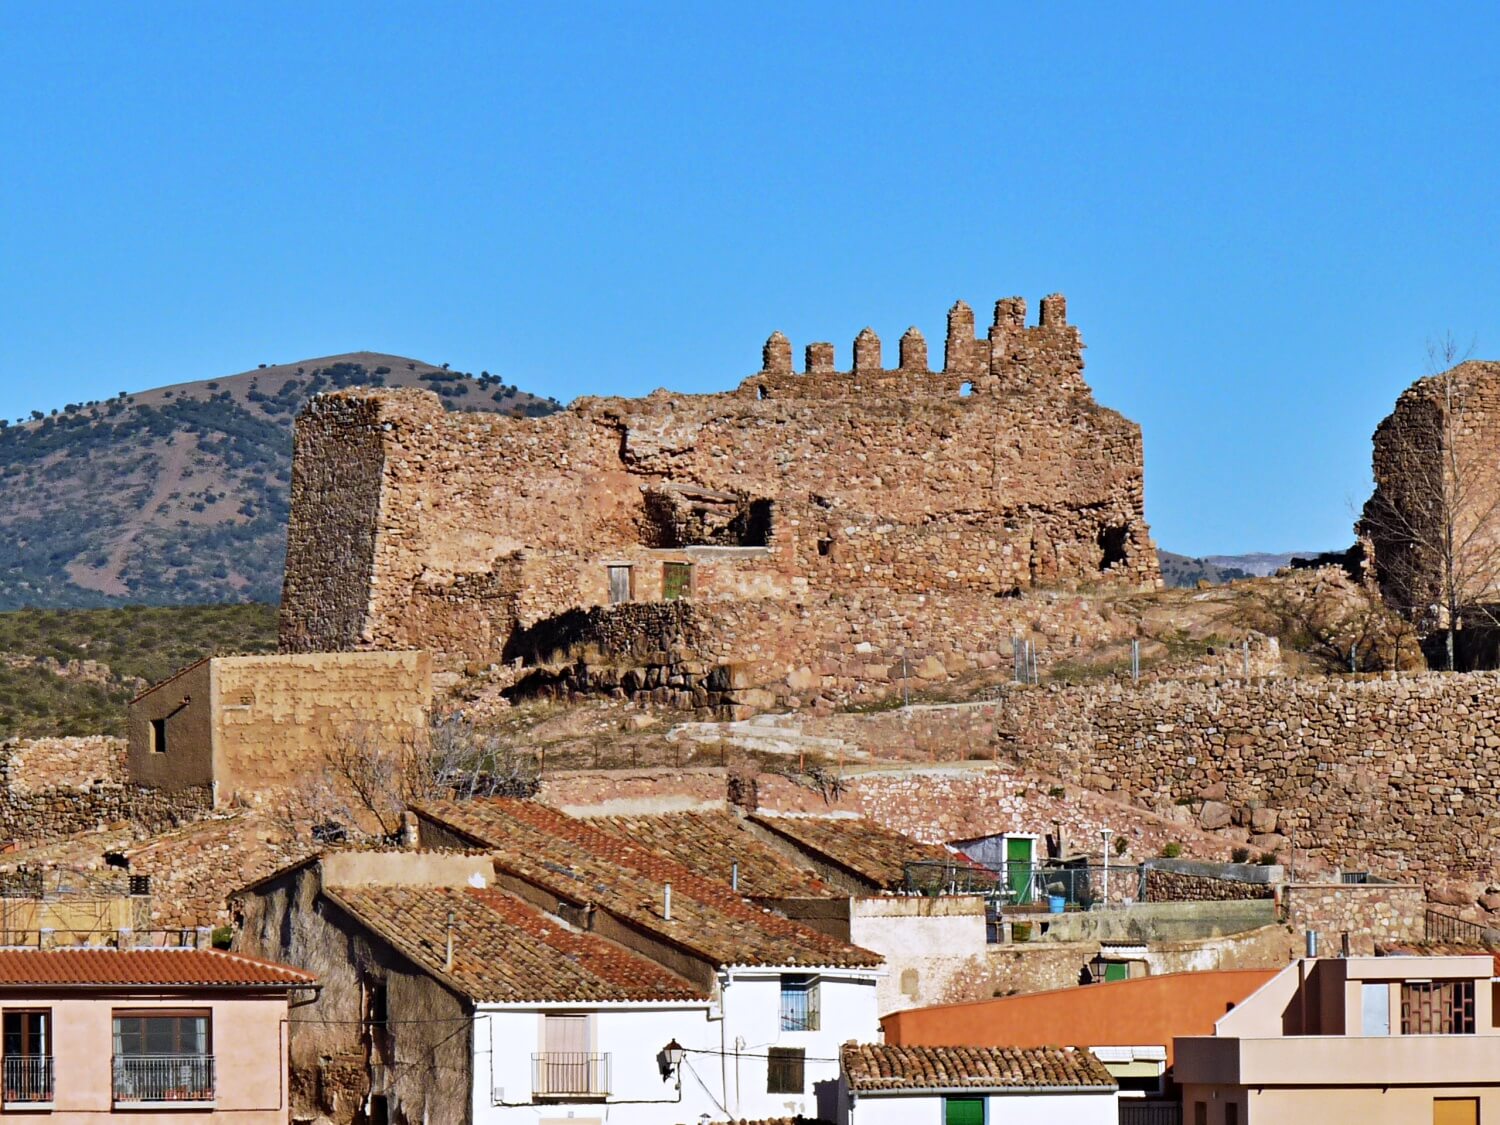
(27, 1081)
(168, 1079)
(570, 1074)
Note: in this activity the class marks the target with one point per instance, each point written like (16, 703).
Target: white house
(537, 970)
(887, 1085)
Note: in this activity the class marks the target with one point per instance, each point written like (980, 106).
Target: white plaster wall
(724, 1072)
(939, 940)
(1053, 1109)
(752, 1016)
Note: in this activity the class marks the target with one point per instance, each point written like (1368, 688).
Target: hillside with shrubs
(179, 495)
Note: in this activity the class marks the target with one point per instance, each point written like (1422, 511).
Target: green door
(963, 1111)
(1116, 970)
(1018, 859)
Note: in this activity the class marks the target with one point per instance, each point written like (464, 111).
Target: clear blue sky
(1259, 215)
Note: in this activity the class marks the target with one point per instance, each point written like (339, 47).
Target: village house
(1129, 1025)
(542, 970)
(182, 1035)
(1378, 1040)
(243, 727)
(891, 1085)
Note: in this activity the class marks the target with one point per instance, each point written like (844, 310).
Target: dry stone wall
(903, 500)
(51, 787)
(1392, 775)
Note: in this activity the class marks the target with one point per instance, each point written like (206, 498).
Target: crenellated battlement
(1011, 356)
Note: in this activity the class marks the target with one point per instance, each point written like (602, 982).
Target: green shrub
(1171, 850)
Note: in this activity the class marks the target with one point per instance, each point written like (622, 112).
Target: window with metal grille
(799, 1002)
(1437, 1007)
(676, 581)
(785, 1070)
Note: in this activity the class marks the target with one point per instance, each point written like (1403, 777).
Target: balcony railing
(570, 1074)
(172, 1079)
(27, 1080)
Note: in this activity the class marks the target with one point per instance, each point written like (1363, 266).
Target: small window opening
(158, 736)
(784, 1070)
(760, 391)
(824, 546)
(676, 581)
(965, 390)
(1112, 546)
(378, 1005)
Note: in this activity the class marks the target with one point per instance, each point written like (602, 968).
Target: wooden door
(1018, 861)
(619, 584)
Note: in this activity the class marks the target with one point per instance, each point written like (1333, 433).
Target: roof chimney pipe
(666, 905)
(1312, 944)
(448, 956)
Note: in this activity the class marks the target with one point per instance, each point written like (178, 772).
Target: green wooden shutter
(963, 1111)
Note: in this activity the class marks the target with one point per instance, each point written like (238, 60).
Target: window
(784, 1072)
(619, 584)
(1455, 1111)
(566, 1067)
(28, 1058)
(380, 1110)
(163, 1057)
(158, 736)
(1375, 1008)
(1200, 1113)
(377, 1006)
(963, 1111)
(799, 1002)
(676, 581)
(1231, 1113)
(1438, 1007)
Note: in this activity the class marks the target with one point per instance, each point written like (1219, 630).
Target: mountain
(1184, 570)
(178, 495)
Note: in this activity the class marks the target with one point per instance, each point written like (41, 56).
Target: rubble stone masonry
(859, 516)
(1392, 775)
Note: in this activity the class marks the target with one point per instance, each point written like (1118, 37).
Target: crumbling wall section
(413, 527)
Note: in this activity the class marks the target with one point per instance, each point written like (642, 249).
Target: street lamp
(669, 1060)
(1106, 833)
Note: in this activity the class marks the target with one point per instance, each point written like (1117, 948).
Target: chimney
(734, 875)
(448, 956)
(666, 906)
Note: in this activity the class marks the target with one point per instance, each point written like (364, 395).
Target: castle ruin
(788, 540)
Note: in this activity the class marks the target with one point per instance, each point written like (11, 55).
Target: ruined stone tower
(767, 524)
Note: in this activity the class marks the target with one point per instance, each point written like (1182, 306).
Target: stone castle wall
(1434, 468)
(797, 496)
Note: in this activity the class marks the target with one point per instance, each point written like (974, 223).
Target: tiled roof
(504, 950)
(583, 864)
(166, 967)
(871, 851)
(870, 1066)
(709, 842)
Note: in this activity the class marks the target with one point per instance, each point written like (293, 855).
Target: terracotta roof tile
(505, 950)
(870, 1066)
(871, 851)
(166, 967)
(584, 864)
(710, 842)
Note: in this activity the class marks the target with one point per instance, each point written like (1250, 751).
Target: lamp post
(1106, 833)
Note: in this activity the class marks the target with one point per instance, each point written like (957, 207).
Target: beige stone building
(245, 725)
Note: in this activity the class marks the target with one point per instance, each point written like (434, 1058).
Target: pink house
(144, 1035)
